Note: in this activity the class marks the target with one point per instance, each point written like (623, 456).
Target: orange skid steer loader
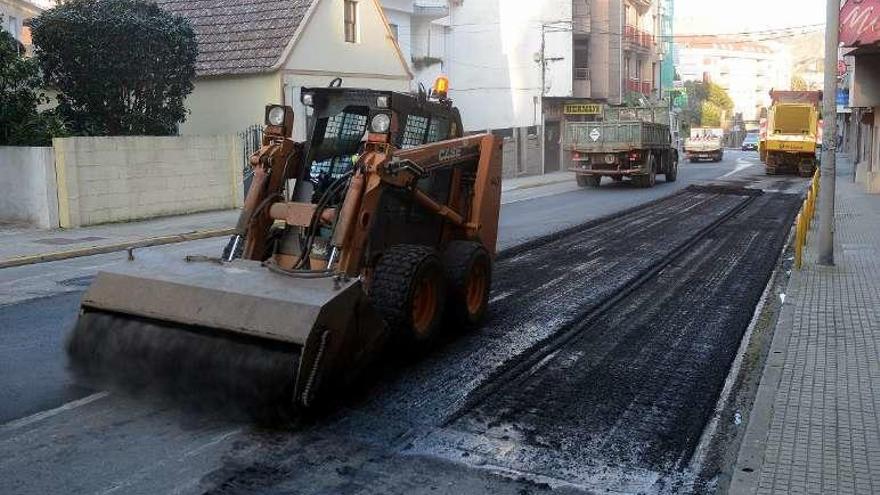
(381, 226)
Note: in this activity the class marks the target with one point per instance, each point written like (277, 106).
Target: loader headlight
(308, 99)
(381, 123)
(382, 101)
(275, 116)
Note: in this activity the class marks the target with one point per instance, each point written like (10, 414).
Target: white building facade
(16, 13)
(421, 29)
(515, 67)
(746, 70)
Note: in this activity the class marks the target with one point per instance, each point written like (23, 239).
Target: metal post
(829, 145)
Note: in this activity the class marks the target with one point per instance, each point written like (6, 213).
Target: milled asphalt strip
(34, 418)
(112, 248)
(706, 438)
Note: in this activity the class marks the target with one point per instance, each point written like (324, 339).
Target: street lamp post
(829, 144)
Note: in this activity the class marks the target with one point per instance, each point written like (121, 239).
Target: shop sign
(582, 109)
(860, 22)
(843, 97)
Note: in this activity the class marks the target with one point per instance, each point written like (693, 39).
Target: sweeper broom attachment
(387, 234)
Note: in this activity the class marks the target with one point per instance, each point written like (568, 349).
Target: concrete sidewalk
(23, 246)
(815, 425)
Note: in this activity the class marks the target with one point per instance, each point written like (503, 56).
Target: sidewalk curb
(112, 248)
(537, 184)
(747, 468)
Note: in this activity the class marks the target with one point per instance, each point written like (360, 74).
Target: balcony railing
(582, 87)
(431, 9)
(643, 87)
(639, 38)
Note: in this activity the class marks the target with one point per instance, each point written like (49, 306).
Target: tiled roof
(240, 36)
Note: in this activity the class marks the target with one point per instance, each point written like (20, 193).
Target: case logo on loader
(448, 154)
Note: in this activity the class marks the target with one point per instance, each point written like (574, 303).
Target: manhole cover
(64, 241)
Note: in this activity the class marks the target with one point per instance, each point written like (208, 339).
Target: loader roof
(240, 36)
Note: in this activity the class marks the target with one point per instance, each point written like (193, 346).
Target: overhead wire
(779, 33)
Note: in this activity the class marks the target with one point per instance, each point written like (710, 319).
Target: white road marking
(741, 164)
(22, 422)
(148, 471)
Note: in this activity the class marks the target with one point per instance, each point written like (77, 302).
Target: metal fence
(251, 140)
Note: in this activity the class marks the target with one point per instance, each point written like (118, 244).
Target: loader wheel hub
(424, 305)
(476, 288)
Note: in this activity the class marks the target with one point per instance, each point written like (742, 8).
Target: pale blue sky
(724, 16)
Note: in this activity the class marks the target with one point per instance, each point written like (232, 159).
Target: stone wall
(116, 179)
(28, 193)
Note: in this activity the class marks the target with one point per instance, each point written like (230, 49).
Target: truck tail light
(634, 156)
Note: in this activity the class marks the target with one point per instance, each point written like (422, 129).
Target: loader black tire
(408, 290)
(469, 279)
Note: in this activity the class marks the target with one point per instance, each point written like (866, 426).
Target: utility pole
(829, 145)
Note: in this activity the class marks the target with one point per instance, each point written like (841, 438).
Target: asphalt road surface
(56, 436)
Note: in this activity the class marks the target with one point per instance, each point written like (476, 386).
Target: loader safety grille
(437, 131)
(348, 129)
(334, 167)
(343, 134)
(415, 131)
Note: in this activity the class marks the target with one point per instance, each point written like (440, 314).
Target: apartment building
(615, 50)
(525, 69)
(421, 28)
(16, 13)
(748, 70)
(862, 45)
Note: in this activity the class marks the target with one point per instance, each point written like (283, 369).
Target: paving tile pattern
(824, 434)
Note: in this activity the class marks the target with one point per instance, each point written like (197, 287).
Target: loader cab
(341, 120)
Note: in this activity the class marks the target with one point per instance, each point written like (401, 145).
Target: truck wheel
(649, 180)
(469, 279)
(408, 290)
(582, 180)
(672, 174)
(594, 180)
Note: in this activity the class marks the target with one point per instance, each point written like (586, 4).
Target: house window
(394, 31)
(351, 21)
(13, 27)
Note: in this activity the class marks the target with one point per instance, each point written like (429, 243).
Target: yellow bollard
(798, 246)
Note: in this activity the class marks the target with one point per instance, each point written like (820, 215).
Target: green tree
(798, 83)
(21, 124)
(708, 103)
(121, 67)
(711, 115)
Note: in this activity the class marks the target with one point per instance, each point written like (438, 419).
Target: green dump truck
(633, 143)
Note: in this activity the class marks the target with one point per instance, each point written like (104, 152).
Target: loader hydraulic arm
(381, 166)
(276, 161)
